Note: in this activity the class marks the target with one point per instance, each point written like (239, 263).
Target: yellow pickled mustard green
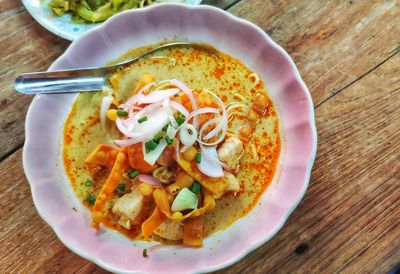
(94, 11)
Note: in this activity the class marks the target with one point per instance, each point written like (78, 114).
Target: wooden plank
(223, 4)
(348, 220)
(28, 244)
(332, 42)
(25, 46)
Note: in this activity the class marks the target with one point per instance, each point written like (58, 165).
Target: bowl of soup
(189, 160)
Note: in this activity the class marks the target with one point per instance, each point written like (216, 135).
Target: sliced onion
(224, 119)
(166, 103)
(157, 95)
(149, 180)
(121, 126)
(209, 164)
(204, 127)
(179, 107)
(171, 132)
(189, 93)
(156, 120)
(184, 148)
(188, 134)
(132, 108)
(147, 109)
(145, 87)
(202, 111)
(225, 166)
(134, 99)
(105, 105)
(223, 123)
(152, 156)
(126, 142)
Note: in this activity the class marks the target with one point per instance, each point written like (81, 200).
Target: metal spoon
(77, 80)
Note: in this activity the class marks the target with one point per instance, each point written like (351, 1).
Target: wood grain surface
(348, 53)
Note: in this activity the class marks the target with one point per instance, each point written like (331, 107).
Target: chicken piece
(233, 185)
(170, 230)
(129, 208)
(230, 152)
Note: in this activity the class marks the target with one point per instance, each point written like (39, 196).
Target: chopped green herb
(121, 188)
(198, 158)
(122, 113)
(158, 137)
(164, 129)
(132, 175)
(142, 119)
(168, 140)
(88, 183)
(145, 253)
(180, 120)
(91, 199)
(195, 187)
(150, 145)
(198, 133)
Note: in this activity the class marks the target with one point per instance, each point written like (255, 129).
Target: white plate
(63, 26)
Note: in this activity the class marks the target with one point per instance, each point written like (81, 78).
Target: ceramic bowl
(42, 157)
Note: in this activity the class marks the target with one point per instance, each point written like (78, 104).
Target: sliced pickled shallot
(147, 109)
(223, 124)
(171, 132)
(210, 164)
(105, 105)
(205, 126)
(134, 99)
(121, 127)
(126, 142)
(189, 94)
(188, 134)
(166, 102)
(202, 111)
(147, 179)
(184, 148)
(179, 107)
(140, 132)
(157, 96)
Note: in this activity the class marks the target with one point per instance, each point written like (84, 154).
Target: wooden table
(348, 54)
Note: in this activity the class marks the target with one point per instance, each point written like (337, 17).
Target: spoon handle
(77, 80)
(61, 81)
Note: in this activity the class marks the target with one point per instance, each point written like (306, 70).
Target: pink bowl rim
(270, 42)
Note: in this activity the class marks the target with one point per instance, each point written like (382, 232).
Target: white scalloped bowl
(51, 191)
